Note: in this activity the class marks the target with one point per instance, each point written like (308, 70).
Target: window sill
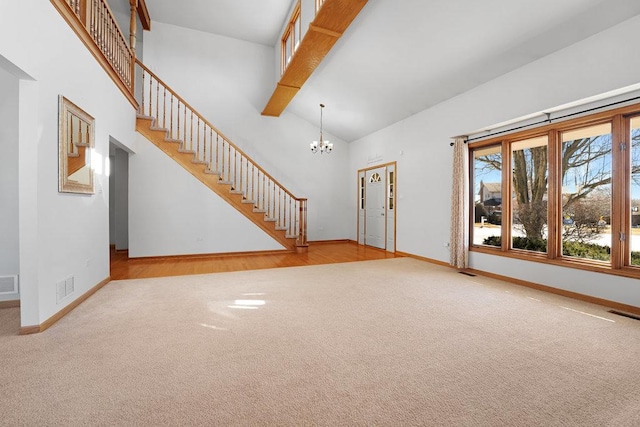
(578, 264)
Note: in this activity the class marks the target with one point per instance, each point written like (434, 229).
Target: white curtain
(459, 242)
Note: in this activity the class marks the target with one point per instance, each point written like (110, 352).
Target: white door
(375, 207)
(391, 208)
(361, 198)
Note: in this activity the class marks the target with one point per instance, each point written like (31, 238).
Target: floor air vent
(8, 285)
(629, 315)
(466, 273)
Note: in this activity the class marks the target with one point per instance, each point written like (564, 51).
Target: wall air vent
(8, 285)
(64, 288)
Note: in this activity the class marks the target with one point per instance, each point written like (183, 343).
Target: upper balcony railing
(96, 26)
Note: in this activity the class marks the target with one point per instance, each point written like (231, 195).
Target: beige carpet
(389, 342)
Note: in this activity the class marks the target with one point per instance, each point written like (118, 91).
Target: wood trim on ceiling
(332, 20)
(143, 13)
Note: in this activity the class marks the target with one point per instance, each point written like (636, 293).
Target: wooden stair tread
(211, 178)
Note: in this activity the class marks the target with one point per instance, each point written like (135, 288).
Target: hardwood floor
(319, 253)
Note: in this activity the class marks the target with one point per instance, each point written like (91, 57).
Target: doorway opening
(9, 189)
(118, 196)
(377, 190)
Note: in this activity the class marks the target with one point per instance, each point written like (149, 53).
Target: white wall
(172, 213)
(60, 234)
(420, 144)
(9, 249)
(229, 81)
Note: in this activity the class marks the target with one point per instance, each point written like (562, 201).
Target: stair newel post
(302, 230)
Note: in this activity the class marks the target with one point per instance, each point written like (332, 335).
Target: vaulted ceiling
(401, 57)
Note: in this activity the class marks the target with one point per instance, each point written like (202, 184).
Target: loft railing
(96, 26)
(221, 157)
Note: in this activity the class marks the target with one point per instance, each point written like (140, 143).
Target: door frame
(386, 205)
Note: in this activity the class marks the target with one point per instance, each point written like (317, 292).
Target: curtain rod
(549, 119)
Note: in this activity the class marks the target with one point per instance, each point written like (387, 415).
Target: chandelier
(322, 146)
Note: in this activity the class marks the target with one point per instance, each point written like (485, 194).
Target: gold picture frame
(76, 141)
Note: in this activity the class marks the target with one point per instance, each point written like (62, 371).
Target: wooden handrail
(186, 104)
(196, 135)
(113, 54)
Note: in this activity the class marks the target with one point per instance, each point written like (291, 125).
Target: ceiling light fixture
(322, 146)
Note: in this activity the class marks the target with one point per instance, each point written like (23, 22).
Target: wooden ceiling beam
(332, 20)
(143, 13)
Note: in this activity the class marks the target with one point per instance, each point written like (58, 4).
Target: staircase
(170, 123)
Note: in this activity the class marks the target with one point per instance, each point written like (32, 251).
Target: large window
(529, 173)
(487, 218)
(586, 164)
(570, 194)
(634, 211)
(291, 37)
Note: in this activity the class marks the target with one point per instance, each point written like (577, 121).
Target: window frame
(290, 34)
(621, 202)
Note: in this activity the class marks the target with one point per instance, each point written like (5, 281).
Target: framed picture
(75, 144)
